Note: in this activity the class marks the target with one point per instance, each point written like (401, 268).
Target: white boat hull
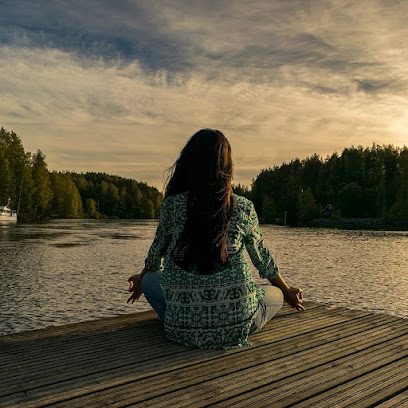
(7, 218)
(7, 215)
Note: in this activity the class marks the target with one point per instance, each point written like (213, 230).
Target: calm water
(75, 270)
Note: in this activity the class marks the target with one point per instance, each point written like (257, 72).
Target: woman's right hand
(294, 298)
(135, 286)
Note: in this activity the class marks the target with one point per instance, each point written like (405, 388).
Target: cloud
(119, 88)
(371, 86)
(97, 29)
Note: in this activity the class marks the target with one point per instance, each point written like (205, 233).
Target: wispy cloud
(119, 88)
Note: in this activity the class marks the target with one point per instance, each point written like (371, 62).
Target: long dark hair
(204, 170)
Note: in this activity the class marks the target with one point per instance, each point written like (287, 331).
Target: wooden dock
(323, 357)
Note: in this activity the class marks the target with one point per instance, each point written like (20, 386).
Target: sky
(120, 86)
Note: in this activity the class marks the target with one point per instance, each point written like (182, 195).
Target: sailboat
(7, 214)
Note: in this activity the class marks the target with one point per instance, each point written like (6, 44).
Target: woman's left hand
(135, 286)
(294, 297)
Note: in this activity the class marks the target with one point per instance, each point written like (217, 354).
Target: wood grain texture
(322, 357)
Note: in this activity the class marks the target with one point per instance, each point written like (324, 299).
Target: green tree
(66, 202)
(350, 200)
(90, 208)
(158, 200)
(269, 212)
(311, 169)
(103, 198)
(123, 200)
(26, 191)
(390, 176)
(399, 209)
(307, 208)
(42, 186)
(148, 209)
(135, 197)
(6, 177)
(352, 161)
(13, 165)
(113, 200)
(368, 202)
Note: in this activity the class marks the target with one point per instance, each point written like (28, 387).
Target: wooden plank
(252, 359)
(128, 361)
(66, 369)
(44, 355)
(12, 346)
(86, 327)
(296, 388)
(123, 322)
(119, 326)
(374, 386)
(60, 355)
(400, 400)
(275, 383)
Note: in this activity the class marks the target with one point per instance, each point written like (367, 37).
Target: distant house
(327, 211)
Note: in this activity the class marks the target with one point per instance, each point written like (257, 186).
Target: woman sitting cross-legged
(195, 276)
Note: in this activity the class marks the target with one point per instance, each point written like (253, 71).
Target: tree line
(358, 183)
(25, 179)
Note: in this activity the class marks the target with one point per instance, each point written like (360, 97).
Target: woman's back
(210, 310)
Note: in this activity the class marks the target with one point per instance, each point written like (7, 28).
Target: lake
(66, 271)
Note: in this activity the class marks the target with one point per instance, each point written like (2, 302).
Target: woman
(204, 291)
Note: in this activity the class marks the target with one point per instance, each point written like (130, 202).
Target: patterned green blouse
(217, 310)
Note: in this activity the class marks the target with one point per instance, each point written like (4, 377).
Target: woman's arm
(260, 255)
(155, 255)
(264, 262)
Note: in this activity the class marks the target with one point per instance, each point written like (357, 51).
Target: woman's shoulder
(243, 211)
(242, 203)
(176, 197)
(174, 200)
(244, 215)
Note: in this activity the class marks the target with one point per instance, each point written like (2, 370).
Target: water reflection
(73, 270)
(356, 269)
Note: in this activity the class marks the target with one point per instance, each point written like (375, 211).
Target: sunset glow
(102, 86)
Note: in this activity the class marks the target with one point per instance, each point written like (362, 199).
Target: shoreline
(379, 224)
(364, 224)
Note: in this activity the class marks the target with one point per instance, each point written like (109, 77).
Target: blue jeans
(153, 292)
(268, 306)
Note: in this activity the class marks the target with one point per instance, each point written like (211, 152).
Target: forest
(41, 194)
(358, 183)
